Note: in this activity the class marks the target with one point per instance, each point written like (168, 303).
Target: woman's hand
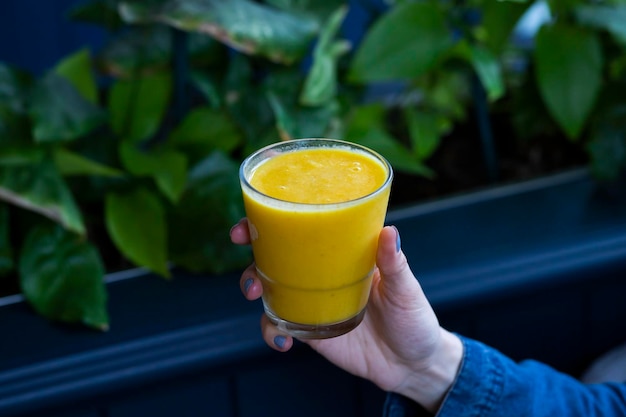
(399, 345)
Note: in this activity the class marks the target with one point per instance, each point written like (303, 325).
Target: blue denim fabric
(491, 384)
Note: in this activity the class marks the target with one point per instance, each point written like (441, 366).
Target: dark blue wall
(34, 34)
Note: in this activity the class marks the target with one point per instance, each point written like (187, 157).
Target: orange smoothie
(315, 216)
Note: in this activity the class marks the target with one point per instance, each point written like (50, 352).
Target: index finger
(240, 233)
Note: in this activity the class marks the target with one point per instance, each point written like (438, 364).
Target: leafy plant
(442, 50)
(130, 156)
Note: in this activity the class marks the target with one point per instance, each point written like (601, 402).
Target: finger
(240, 233)
(397, 279)
(250, 283)
(273, 337)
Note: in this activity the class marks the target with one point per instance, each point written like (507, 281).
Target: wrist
(428, 384)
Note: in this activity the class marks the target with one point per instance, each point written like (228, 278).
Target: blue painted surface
(35, 34)
(535, 270)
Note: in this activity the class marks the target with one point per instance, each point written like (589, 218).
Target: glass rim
(298, 144)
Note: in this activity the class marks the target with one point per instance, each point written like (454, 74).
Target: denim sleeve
(489, 384)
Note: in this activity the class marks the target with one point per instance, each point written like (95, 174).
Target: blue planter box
(536, 269)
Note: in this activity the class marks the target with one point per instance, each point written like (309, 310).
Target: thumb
(397, 278)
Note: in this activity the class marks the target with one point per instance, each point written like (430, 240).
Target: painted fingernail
(235, 225)
(247, 284)
(398, 241)
(279, 341)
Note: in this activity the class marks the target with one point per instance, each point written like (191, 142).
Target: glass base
(315, 331)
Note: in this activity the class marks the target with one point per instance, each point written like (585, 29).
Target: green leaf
(61, 275)
(569, 74)
(486, 66)
(6, 249)
(404, 43)
(21, 155)
(60, 112)
(285, 122)
(137, 50)
(14, 85)
(607, 150)
(399, 156)
(148, 48)
(609, 18)
(245, 102)
(77, 69)
(199, 239)
(275, 34)
(425, 131)
(167, 167)
(137, 106)
(98, 12)
(207, 87)
(40, 188)
(366, 127)
(136, 223)
(70, 163)
(204, 130)
(320, 10)
(15, 128)
(607, 147)
(563, 7)
(499, 19)
(320, 86)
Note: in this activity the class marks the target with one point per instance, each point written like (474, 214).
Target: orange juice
(315, 209)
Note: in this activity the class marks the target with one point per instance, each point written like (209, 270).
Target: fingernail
(398, 241)
(279, 341)
(247, 284)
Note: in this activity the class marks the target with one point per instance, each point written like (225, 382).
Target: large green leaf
(609, 18)
(137, 106)
(569, 74)
(40, 188)
(77, 69)
(242, 24)
(199, 224)
(60, 112)
(204, 130)
(61, 275)
(70, 163)
(320, 86)
(403, 44)
(167, 167)
(136, 223)
(6, 248)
